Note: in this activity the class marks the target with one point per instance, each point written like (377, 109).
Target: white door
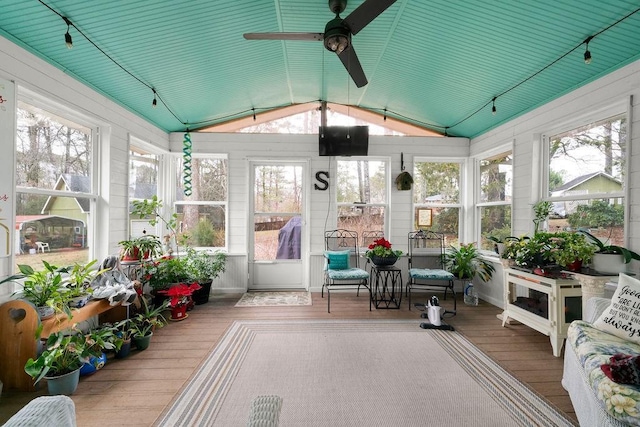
(277, 244)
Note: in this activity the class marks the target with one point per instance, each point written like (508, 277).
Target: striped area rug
(354, 373)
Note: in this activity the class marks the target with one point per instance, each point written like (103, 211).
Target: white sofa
(597, 400)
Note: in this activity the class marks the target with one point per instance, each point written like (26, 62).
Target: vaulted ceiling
(437, 64)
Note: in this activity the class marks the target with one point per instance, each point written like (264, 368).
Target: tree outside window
(54, 192)
(495, 196)
(437, 187)
(362, 195)
(202, 215)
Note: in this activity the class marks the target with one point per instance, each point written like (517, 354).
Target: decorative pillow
(623, 369)
(338, 260)
(622, 317)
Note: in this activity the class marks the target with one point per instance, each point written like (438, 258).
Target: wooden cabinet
(18, 325)
(560, 303)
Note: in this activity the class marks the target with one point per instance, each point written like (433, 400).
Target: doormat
(266, 299)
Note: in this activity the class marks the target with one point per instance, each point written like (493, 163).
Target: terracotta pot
(575, 265)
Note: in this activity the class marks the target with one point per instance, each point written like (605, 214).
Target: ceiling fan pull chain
(186, 164)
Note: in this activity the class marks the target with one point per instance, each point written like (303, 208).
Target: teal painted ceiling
(434, 63)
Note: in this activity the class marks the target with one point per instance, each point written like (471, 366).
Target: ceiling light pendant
(67, 37)
(493, 107)
(385, 114)
(587, 53)
(154, 103)
(254, 114)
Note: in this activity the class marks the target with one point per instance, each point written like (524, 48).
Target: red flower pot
(179, 312)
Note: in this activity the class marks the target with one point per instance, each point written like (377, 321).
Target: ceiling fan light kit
(336, 36)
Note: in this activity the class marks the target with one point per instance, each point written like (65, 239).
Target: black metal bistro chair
(341, 252)
(428, 245)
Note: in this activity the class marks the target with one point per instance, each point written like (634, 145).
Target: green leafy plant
(202, 266)
(80, 277)
(43, 288)
(466, 262)
(104, 337)
(568, 247)
(161, 273)
(64, 353)
(541, 211)
(143, 323)
(147, 246)
(603, 248)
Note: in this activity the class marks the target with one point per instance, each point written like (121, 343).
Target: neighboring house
(596, 182)
(62, 221)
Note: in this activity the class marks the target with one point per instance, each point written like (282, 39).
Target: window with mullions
(362, 195)
(436, 198)
(586, 178)
(494, 197)
(54, 191)
(202, 216)
(143, 184)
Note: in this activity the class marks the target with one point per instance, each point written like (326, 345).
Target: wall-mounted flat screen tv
(344, 140)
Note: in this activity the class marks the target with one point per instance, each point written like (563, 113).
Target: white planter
(608, 263)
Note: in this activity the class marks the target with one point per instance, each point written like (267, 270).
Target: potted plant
(466, 262)
(64, 353)
(380, 252)
(78, 282)
(100, 339)
(571, 250)
(151, 209)
(180, 299)
(139, 248)
(44, 289)
(609, 259)
(162, 273)
(124, 332)
(541, 211)
(203, 267)
(144, 323)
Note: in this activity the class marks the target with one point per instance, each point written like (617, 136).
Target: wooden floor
(138, 388)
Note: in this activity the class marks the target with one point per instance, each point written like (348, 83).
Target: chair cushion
(348, 274)
(427, 273)
(338, 260)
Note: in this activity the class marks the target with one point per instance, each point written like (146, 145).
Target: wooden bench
(18, 325)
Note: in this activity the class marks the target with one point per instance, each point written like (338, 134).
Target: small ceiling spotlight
(493, 107)
(154, 103)
(67, 37)
(254, 114)
(587, 53)
(385, 115)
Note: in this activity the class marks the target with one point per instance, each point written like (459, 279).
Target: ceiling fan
(337, 33)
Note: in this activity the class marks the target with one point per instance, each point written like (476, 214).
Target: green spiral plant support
(186, 156)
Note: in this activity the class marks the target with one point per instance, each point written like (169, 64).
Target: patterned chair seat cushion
(348, 274)
(593, 348)
(427, 273)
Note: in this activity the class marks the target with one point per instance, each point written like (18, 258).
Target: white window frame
(97, 128)
(224, 203)
(461, 196)
(477, 204)
(614, 109)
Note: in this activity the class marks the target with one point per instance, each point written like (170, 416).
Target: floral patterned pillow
(622, 317)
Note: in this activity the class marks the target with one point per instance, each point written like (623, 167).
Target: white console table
(563, 299)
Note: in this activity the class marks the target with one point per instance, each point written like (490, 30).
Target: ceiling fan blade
(284, 36)
(365, 13)
(352, 64)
